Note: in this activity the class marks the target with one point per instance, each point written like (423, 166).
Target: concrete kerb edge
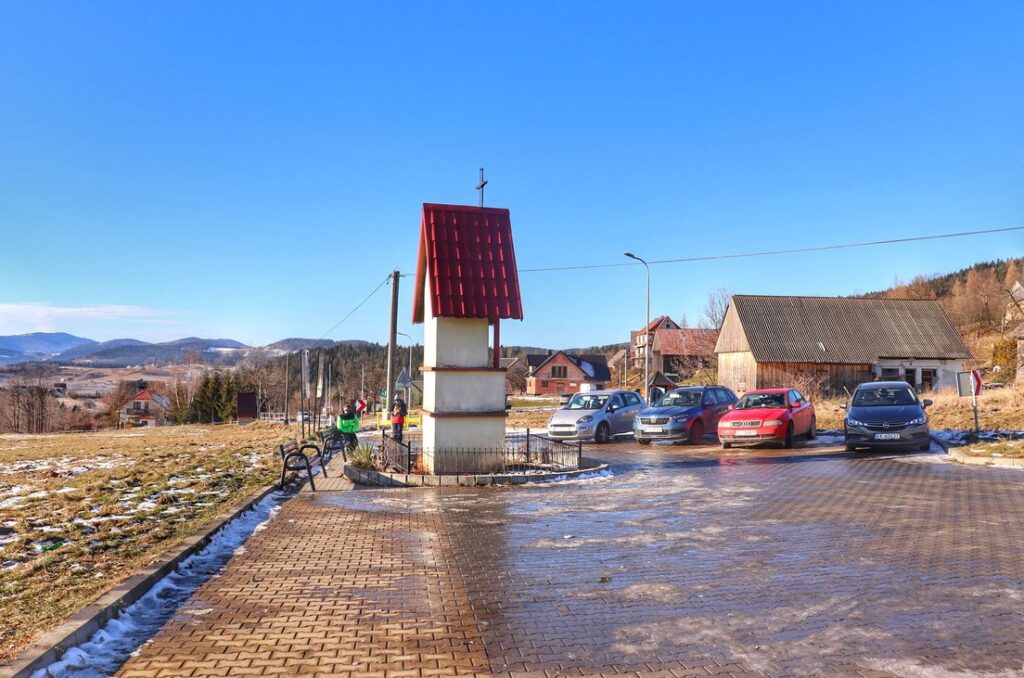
(51, 646)
(380, 479)
(964, 458)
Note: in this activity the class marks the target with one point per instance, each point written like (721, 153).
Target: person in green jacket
(348, 424)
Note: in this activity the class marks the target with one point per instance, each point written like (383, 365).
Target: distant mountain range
(60, 347)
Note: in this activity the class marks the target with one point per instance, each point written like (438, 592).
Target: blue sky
(253, 170)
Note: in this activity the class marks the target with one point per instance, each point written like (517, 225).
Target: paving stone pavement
(682, 562)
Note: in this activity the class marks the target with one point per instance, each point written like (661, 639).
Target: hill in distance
(43, 343)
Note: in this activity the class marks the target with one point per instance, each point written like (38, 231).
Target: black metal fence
(522, 453)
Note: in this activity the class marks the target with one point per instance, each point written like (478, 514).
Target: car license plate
(887, 436)
(745, 434)
(653, 429)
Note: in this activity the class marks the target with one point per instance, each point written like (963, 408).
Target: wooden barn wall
(731, 338)
(737, 371)
(831, 378)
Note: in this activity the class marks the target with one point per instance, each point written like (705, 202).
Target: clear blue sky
(252, 170)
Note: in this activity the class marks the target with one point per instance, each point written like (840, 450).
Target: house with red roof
(677, 352)
(145, 408)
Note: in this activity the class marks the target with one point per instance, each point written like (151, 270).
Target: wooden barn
(832, 343)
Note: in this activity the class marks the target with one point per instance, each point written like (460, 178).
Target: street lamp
(647, 330)
(408, 390)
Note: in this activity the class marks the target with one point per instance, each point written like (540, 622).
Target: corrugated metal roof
(846, 330)
(472, 263)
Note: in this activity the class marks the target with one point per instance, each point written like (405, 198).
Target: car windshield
(754, 400)
(584, 401)
(878, 397)
(679, 399)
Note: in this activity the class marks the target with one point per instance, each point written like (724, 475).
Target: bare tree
(715, 308)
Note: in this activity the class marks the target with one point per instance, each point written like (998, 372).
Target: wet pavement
(680, 561)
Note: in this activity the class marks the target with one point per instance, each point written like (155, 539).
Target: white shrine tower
(466, 283)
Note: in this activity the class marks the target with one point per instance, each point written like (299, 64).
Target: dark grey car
(886, 414)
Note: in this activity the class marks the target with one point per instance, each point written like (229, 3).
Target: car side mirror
(927, 403)
(732, 407)
(844, 405)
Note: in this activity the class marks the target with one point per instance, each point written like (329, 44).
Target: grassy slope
(81, 513)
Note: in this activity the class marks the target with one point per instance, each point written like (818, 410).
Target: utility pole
(647, 331)
(392, 340)
(286, 361)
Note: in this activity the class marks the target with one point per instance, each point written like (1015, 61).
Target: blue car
(683, 414)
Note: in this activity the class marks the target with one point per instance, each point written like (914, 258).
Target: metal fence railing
(521, 453)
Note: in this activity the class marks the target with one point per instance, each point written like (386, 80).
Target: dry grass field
(80, 513)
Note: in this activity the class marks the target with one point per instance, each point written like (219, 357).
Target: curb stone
(49, 647)
(377, 478)
(1002, 462)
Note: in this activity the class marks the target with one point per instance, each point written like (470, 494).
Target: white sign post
(969, 384)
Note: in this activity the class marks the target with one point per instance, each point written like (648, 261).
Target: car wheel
(813, 432)
(642, 441)
(788, 442)
(603, 433)
(726, 444)
(697, 433)
(924, 447)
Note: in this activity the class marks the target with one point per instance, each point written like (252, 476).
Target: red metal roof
(686, 341)
(471, 260)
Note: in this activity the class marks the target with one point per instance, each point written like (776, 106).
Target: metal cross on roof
(480, 186)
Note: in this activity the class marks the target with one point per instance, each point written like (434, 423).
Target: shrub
(1004, 356)
(362, 457)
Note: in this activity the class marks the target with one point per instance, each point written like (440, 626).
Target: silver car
(595, 415)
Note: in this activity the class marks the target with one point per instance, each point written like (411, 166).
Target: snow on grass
(82, 512)
(110, 646)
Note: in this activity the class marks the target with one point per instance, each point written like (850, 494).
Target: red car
(767, 415)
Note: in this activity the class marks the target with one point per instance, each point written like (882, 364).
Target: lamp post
(408, 390)
(647, 331)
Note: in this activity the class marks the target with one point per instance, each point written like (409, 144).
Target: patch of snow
(109, 647)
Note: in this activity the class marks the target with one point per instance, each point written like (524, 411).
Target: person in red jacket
(398, 413)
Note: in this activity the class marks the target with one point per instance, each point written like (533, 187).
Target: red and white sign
(976, 384)
(360, 405)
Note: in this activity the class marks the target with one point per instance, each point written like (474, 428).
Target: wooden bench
(294, 458)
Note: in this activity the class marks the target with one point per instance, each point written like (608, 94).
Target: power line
(793, 250)
(366, 299)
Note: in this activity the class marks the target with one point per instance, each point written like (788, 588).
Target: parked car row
(880, 414)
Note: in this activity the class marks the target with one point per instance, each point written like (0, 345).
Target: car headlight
(585, 420)
(773, 422)
(918, 421)
(681, 419)
(854, 422)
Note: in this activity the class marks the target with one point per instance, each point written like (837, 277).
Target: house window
(543, 383)
(559, 372)
(928, 379)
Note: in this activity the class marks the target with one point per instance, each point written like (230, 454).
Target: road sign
(360, 405)
(404, 381)
(969, 384)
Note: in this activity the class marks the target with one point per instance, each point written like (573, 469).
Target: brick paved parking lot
(683, 561)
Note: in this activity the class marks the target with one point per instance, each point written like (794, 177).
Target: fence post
(579, 454)
(408, 457)
(527, 446)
